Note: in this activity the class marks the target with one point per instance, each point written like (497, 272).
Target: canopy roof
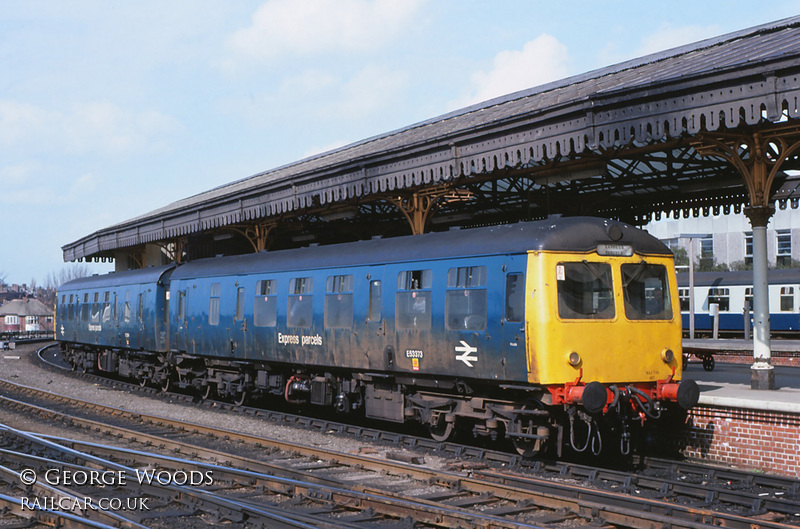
(612, 142)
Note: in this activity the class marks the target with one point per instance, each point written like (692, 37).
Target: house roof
(25, 307)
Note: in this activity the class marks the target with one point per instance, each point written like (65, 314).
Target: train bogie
(523, 331)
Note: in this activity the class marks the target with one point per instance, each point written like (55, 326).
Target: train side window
(95, 314)
(213, 304)
(646, 291)
(126, 309)
(339, 302)
(683, 298)
(515, 297)
(140, 307)
(374, 314)
(85, 307)
(300, 312)
(748, 298)
(181, 305)
(787, 299)
(70, 309)
(414, 280)
(106, 306)
(465, 301)
(413, 300)
(265, 307)
(720, 296)
(239, 304)
(585, 291)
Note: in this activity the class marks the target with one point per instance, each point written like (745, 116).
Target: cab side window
(515, 297)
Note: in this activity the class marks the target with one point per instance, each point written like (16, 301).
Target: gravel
(21, 366)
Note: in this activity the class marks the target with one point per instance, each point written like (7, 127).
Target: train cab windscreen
(585, 290)
(646, 292)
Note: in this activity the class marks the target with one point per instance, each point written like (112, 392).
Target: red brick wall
(745, 439)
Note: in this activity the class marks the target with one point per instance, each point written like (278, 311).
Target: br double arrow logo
(466, 351)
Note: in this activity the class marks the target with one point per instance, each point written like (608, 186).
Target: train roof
(115, 279)
(723, 279)
(563, 234)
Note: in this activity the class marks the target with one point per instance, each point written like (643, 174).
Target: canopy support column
(762, 373)
(758, 156)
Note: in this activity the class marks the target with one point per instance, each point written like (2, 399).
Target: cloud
(669, 36)
(540, 61)
(288, 27)
(317, 96)
(95, 127)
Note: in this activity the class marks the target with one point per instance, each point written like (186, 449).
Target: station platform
(741, 396)
(728, 384)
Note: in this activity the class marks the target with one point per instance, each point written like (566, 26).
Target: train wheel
(532, 435)
(708, 363)
(530, 448)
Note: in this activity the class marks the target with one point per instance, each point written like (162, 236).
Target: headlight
(667, 356)
(574, 359)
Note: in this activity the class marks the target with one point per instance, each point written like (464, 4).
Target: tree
(56, 279)
(681, 257)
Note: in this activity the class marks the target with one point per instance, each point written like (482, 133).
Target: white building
(730, 237)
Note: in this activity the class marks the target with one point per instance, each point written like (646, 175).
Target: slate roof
(25, 307)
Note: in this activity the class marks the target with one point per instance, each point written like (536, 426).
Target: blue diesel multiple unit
(522, 330)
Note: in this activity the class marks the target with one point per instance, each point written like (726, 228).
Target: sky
(109, 110)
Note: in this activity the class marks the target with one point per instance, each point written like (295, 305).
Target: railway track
(376, 490)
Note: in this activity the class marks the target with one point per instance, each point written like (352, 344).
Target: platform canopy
(708, 127)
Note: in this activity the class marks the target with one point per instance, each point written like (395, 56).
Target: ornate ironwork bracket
(758, 157)
(419, 206)
(257, 234)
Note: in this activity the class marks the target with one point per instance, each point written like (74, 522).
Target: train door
(141, 331)
(163, 315)
(179, 338)
(373, 340)
(338, 319)
(514, 346)
(416, 347)
(239, 341)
